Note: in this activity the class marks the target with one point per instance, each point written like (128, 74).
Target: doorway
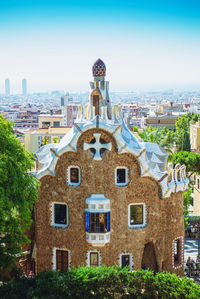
(149, 258)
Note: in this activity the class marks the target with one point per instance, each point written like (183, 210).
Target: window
(126, 259)
(177, 252)
(74, 178)
(56, 124)
(97, 222)
(136, 215)
(62, 260)
(60, 215)
(46, 124)
(121, 176)
(94, 259)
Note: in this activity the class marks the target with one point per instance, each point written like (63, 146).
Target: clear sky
(146, 45)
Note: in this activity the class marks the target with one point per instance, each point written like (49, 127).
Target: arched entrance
(149, 258)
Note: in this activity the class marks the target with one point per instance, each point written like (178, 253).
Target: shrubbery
(104, 282)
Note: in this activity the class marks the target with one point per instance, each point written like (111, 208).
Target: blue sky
(146, 45)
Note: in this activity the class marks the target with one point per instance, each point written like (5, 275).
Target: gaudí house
(106, 197)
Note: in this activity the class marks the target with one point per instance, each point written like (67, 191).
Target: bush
(104, 282)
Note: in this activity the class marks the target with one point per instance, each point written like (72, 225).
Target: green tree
(191, 161)
(187, 200)
(183, 130)
(18, 192)
(164, 137)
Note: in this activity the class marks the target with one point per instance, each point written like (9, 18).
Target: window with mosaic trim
(136, 214)
(121, 176)
(74, 178)
(74, 175)
(94, 259)
(125, 260)
(62, 260)
(60, 214)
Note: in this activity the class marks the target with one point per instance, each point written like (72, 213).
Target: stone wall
(164, 216)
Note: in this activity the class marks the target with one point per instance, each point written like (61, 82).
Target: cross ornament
(97, 146)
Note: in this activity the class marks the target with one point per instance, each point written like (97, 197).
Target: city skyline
(146, 45)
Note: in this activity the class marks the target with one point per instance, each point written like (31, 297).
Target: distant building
(161, 121)
(69, 110)
(196, 196)
(50, 120)
(24, 87)
(50, 130)
(7, 87)
(35, 138)
(195, 136)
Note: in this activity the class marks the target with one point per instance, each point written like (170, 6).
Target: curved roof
(99, 68)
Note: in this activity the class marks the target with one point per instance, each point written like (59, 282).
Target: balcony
(97, 220)
(98, 239)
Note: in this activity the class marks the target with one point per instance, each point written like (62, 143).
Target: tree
(191, 161)
(164, 137)
(183, 130)
(18, 192)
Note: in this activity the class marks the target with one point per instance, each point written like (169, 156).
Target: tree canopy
(168, 138)
(18, 192)
(191, 160)
(183, 130)
(162, 136)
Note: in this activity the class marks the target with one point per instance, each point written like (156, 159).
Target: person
(31, 274)
(189, 231)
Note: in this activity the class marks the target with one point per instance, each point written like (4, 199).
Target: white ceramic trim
(181, 253)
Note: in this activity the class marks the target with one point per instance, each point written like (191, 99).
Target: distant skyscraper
(24, 87)
(7, 87)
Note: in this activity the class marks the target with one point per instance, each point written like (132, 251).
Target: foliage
(187, 202)
(167, 138)
(18, 191)
(183, 130)
(101, 282)
(190, 160)
(194, 219)
(55, 140)
(45, 140)
(135, 129)
(162, 136)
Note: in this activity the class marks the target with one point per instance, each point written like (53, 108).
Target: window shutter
(87, 221)
(108, 221)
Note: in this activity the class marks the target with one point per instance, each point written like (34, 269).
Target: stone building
(195, 136)
(106, 198)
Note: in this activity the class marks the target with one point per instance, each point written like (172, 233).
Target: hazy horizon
(146, 45)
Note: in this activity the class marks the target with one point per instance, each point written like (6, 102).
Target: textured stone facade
(164, 217)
